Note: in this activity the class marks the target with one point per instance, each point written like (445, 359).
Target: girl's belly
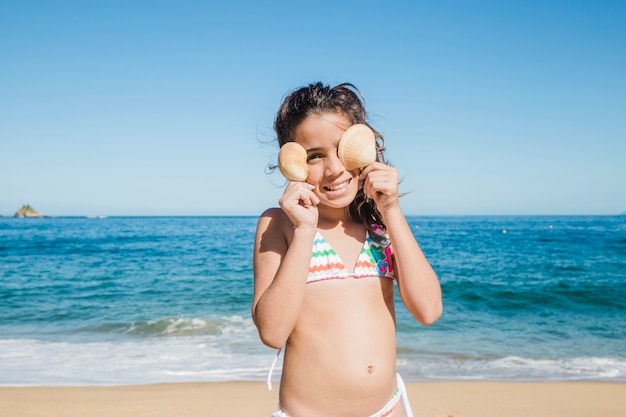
(340, 359)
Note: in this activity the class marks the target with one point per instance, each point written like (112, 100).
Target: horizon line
(105, 216)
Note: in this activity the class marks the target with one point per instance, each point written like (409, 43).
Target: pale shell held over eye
(292, 162)
(357, 147)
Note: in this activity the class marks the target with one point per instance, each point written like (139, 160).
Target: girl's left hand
(381, 185)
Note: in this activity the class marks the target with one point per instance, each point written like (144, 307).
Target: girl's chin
(338, 200)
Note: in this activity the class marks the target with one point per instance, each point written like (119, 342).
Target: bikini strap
(405, 397)
(269, 375)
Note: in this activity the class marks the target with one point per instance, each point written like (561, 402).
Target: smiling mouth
(336, 187)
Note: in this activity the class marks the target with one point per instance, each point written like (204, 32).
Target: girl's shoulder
(275, 223)
(276, 216)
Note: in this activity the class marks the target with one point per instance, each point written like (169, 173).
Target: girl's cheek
(316, 175)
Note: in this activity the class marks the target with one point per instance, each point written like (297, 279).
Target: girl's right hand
(299, 202)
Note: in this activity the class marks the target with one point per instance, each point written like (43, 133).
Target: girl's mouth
(337, 187)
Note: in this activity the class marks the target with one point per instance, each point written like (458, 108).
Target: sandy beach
(242, 399)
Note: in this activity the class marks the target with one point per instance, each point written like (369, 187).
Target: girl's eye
(313, 156)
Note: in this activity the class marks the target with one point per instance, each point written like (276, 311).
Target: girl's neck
(331, 217)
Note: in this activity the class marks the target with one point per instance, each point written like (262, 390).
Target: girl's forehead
(318, 129)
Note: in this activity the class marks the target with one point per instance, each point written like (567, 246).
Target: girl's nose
(334, 167)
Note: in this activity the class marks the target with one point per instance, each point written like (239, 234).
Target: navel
(371, 369)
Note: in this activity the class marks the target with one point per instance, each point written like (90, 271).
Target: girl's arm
(417, 282)
(282, 254)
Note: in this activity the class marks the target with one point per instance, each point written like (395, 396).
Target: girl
(324, 266)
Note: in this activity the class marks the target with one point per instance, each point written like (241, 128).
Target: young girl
(317, 291)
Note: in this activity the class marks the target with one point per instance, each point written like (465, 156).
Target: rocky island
(27, 211)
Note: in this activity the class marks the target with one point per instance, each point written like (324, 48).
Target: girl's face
(319, 134)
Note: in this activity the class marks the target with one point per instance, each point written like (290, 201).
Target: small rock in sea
(27, 211)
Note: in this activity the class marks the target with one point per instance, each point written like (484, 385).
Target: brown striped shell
(357, 147)
(292, 162)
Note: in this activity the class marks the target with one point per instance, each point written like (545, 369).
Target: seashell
(292, 162)
(357, 147)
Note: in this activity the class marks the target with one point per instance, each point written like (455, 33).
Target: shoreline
(247, 398)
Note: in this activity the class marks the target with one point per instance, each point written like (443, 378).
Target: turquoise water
(167, 299)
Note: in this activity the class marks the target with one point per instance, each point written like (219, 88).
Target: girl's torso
(341, 353)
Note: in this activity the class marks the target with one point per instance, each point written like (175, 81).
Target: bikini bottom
(400, 397)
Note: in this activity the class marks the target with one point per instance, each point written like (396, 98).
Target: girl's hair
(344, 99)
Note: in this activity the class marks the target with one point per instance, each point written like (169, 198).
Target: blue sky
(166, 108)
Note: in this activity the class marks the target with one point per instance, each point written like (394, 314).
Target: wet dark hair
(344, 99)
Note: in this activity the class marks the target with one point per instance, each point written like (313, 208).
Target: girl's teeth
(337, 187)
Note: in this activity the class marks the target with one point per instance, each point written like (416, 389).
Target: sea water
(133, 300)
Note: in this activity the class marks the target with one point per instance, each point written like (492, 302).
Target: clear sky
(150, 107)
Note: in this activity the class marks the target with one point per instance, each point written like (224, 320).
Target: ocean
(136, 300)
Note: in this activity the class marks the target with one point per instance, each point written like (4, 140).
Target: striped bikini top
(374, 261)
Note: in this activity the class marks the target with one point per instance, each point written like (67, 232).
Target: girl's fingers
(380, 179)
(299, 202)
